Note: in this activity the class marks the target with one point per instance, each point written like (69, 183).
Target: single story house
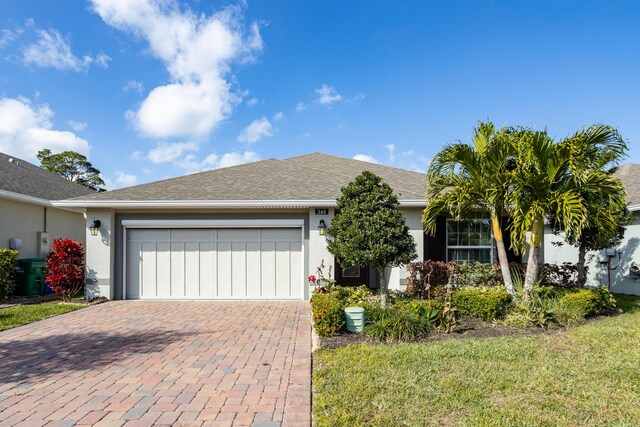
(28, 220)
(254, 231)
(612, 264)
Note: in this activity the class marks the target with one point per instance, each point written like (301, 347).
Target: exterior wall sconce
(322, 227)
(94, 228)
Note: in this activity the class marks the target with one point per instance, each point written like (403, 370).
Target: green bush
(477, 274)
(428, 310)
(352, 296)
(327, 314)
(8, 266)
(396, 325)
(589, 301)
(485, 303)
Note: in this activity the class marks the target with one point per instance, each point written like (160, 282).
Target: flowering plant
(65, 268)
(312, 279)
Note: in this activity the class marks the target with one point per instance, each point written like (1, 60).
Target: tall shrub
(65, 268)
(8, 259)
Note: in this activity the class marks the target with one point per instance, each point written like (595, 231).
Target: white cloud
(366, 158)
(355, 99)
(170, 152)
(77, 126)
(197, 51)
(252, 102)
(125, 179)
(278, 116)
(26, 129)
(54, 51)
(6, 37)
(327, 95)
(256, 130)
(191, 164)
(133, 85)
(391, 148)
(301, 106)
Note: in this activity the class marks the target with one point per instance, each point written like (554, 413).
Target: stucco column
(100, 254)
(318, 244)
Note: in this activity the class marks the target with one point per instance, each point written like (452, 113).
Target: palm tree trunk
(534, 254)
(582, 272)
(382, 285)
(502, 255)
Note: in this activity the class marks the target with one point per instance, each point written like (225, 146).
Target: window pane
(464, 255)
(351, 271)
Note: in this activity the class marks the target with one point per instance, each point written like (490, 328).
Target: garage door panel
(148, 269)
(192, 269)
(268, 269)
(163, 268)
(224, 269)
(177, 269)
(295, 269)
(214, 263)
(134, 260)
(254, 287)
(208, 262)
(282, 269)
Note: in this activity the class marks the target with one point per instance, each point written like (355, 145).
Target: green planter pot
(354, 317)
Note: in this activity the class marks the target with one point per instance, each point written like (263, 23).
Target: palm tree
(552, 178)
(606, 206)
(466, 177)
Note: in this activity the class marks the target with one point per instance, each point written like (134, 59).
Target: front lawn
(588, 375)
(28, 313)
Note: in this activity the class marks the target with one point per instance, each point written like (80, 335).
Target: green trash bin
(30, 277)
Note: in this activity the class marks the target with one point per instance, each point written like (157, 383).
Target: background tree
(72, 166)
(552, 178)
(463, 178)
(370, 229)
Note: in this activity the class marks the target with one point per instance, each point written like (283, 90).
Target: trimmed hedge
(8, 266)
(589, 301)
(485, 303)
(327, 314)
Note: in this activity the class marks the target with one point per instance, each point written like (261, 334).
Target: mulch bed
(469, 327)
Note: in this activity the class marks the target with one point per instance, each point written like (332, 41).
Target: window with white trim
(469, 240)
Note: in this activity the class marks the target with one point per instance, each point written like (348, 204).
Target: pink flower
(312, 278)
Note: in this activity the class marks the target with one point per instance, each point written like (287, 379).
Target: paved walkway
(160, 363)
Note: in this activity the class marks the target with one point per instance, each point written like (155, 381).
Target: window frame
(489, 247)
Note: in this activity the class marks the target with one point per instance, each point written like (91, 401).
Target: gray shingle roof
(20, 176)
(314, 176)
(629, 174)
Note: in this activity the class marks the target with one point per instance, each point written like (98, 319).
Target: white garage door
(214, 263)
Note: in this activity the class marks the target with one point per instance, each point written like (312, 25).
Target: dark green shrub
(327, 314)
(485, 303)
(397, 325)
(8, 266)
(589, 301)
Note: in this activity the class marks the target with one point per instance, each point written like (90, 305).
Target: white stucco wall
(318, 245)
(398, 275)
(100, 254)
(24, 220)
(597, 275)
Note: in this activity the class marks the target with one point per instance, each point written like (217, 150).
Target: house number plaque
(322, 211)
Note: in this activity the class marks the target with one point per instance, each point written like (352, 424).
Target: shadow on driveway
(39, 357)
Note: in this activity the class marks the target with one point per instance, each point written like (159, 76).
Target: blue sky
(154, 89)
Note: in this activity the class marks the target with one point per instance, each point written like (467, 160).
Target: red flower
(312, 278)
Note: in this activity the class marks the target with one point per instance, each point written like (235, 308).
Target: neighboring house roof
(629, 174)
(20, 177)
(289, 182)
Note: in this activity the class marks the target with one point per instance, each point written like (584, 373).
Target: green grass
(29, 313)
(585, 376)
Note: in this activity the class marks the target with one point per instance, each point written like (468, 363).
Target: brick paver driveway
(160, 363)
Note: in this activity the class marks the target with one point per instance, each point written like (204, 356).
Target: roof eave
(205, 204)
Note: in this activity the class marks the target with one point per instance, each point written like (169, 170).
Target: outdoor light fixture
(322, 228)
(94, 228)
